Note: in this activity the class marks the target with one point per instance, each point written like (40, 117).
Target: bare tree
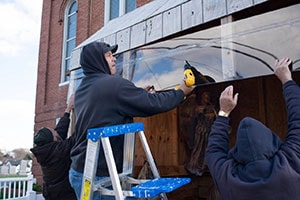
(22, 154)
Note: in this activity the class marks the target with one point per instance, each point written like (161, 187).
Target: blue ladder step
(95, 133)
(157, 186)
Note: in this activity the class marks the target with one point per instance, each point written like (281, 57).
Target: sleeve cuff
(223, 114)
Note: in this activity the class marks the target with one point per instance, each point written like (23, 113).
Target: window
(130, 5)
(116, 8)
(69, 42)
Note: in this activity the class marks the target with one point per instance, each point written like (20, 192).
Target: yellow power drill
(193, 77)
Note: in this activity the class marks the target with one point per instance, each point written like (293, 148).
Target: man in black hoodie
(260, 166)
(104, 99)
(52, 151)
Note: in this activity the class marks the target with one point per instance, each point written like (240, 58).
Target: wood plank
(162, 137)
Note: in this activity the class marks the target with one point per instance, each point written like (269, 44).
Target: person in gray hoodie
(105, 99)
(260, 165)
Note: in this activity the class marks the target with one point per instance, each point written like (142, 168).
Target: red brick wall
(142, 2)
(50, 95)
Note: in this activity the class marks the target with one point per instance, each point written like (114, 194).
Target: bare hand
(227, 100)
(282, 69)
(186, 90)
(150, 89)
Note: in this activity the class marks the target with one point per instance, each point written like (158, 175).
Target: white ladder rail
(92, 152)
(143, 188)
(89, 172)
(150, 159)
(112, 168)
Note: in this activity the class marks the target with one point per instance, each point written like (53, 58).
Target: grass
(12, 176)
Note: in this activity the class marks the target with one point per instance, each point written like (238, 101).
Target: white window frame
(122, 9)
(66, 20)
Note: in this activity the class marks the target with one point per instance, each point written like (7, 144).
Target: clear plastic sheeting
(248, 50)
(234, 50)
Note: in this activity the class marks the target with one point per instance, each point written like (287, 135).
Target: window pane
(70, 46)
(70, 38)
(72, 26)
(67, 67)
(73, 8)
(130, 5)
(114, 9)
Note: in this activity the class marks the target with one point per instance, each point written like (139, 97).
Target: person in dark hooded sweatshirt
(260, 166)
(52, 151)
(105, 99)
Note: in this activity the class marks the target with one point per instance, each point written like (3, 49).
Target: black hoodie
(103, 100)
(55, 162)
(260, 166)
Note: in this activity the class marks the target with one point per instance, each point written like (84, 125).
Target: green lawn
(12, 176)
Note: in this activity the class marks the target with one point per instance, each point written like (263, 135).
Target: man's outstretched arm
(291, 93)
(62, 126)
(217, 148)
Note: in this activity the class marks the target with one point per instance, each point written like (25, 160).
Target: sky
(20, 24)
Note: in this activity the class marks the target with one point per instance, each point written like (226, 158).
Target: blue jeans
(75, 179)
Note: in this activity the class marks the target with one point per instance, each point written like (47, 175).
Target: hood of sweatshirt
(92, 59)
(254, 142)
(44, 154)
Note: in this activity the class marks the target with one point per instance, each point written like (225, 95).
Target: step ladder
(123, 185)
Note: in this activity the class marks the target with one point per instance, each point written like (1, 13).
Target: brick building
(223, 38)
(86, 17)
